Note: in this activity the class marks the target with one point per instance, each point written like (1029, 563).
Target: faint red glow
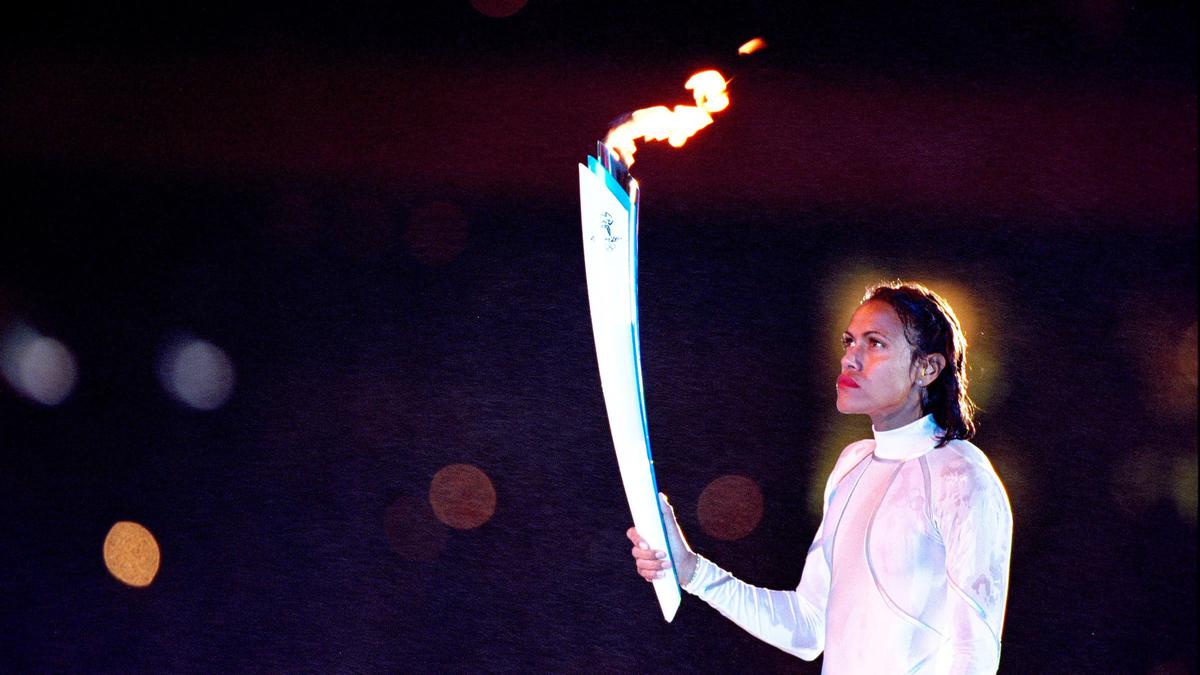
(1187, 357)
(498, 9)
(1170, 668)
(437, 233)
(462, 496)
(413, 531)
(730, 507)
(131, 554)
(802, 142)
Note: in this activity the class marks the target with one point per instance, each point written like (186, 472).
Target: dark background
(372, 210)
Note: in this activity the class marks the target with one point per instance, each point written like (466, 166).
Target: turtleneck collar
(907, 442)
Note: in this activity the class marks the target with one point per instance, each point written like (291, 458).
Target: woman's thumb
(675, 536)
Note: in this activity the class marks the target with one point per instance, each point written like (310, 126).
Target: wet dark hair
(932, 328)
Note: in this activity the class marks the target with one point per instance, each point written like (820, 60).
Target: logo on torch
(606, 221)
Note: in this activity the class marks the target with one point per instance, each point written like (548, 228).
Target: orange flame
(675, 126)
(752, 46)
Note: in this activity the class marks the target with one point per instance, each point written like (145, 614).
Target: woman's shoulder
(855, 452)
(960, 465)
(851, 456)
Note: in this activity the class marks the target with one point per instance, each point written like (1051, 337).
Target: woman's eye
(876, 343)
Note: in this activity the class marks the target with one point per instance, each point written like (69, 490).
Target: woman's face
(878, 376)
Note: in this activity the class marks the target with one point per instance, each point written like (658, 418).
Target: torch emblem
(606, 221)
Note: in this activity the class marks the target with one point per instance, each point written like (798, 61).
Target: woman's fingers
(650, 563)
(636, 538)
(652, 569)
(640, 548)
(650, 558)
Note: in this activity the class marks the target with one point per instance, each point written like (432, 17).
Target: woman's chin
(846, 405)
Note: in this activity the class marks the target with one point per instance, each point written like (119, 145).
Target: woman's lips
(847, 381)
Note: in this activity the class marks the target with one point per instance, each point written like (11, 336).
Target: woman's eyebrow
(867, 333)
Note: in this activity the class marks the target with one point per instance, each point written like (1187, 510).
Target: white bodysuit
(908, 572)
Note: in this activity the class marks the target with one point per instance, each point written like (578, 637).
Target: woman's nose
(850, 359)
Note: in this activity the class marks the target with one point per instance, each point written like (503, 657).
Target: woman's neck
(910, 412)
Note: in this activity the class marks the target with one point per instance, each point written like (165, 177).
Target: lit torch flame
(752, 46)
(675, 126)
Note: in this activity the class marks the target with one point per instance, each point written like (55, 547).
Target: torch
(609, 197)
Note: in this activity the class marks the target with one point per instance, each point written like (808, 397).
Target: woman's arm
(974, 520)
(793, 621)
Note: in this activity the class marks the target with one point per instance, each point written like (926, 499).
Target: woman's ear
(929, 367)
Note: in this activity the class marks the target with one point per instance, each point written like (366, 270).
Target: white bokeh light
(197, 373)
(36, 366)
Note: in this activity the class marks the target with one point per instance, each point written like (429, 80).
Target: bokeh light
(462, 496)
(1159, 336)
(1184, 485)
(197, 373)
(131, 554)
(436, 233)
(36, 366)
(498, 9)
(1186, 358)
(730, 507)
(1151, 474)
(413, 531)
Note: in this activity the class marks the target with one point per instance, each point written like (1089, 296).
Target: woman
(908, 571)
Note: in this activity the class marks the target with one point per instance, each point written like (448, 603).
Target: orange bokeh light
(131, 554)
(462, 496)
(730, 507)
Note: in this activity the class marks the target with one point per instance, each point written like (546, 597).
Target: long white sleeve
(793, 621)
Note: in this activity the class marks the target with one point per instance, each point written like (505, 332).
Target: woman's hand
(652, 564)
